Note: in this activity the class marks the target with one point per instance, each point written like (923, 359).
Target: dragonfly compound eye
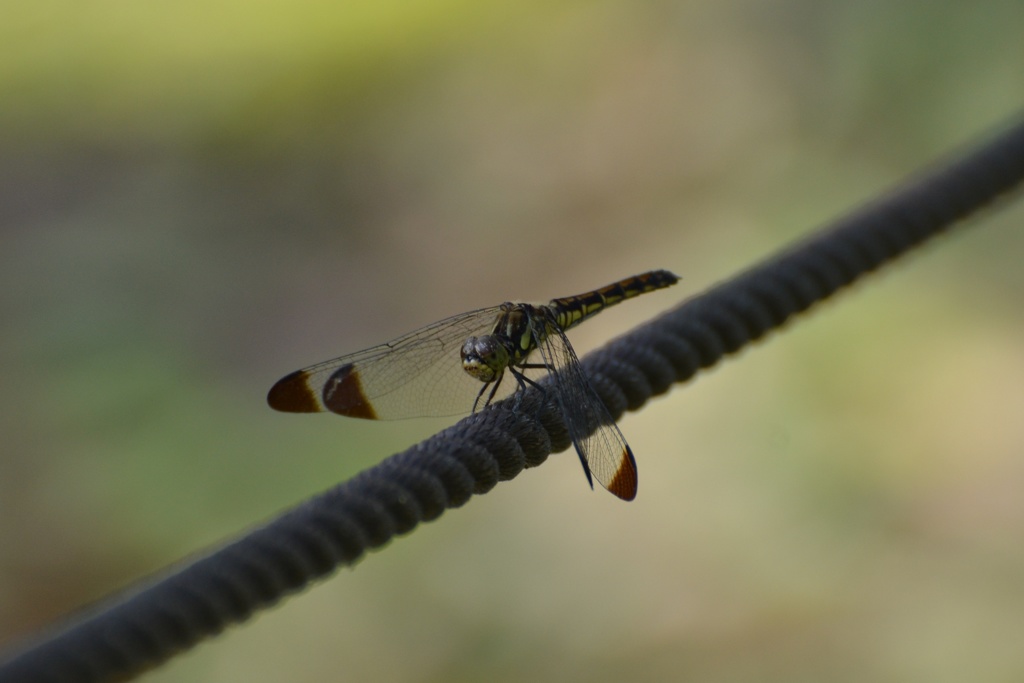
(484, 357)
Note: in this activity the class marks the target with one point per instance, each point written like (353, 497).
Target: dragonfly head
(484, 357)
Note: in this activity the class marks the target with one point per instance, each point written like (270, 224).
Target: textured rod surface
(149, 623)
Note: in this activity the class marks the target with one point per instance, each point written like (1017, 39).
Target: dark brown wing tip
(292, 394)
(344, 395)
(624, 483)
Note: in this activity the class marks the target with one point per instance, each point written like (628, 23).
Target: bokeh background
(197, 198)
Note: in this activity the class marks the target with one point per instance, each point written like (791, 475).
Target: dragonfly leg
(490, 397)
(524, 380)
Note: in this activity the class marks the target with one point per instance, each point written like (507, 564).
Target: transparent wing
(417, 375)
(599, 442)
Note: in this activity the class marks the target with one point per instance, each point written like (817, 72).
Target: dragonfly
(459, 364)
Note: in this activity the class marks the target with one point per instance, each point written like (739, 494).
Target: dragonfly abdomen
(572, 310)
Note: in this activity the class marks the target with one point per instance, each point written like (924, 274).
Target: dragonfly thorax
(485, 358)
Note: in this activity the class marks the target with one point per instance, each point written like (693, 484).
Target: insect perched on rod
(417, 375)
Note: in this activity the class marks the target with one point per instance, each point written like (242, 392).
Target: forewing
(417, 375)
(599, 442)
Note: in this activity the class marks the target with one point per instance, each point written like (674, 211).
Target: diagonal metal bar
(150, 623)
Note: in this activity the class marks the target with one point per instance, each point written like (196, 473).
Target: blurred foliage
(196, 198)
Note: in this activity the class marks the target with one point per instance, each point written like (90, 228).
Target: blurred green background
(197, 198)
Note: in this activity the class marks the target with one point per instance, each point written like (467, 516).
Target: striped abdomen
(572, 310)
